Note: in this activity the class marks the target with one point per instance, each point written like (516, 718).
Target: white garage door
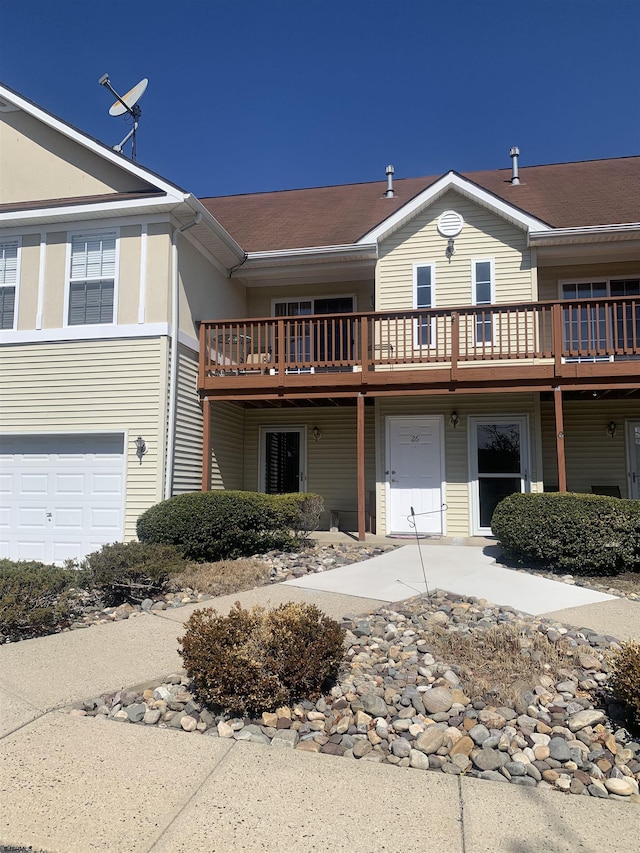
(61, 496)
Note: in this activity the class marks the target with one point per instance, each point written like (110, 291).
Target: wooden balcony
(534, 346)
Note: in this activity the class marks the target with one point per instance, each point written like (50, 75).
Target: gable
(37, 162)
(484, 235)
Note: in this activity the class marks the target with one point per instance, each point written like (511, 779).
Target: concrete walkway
(74, 785)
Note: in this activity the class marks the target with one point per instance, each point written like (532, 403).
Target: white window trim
(16, 293)
(432, 333)
(67, 288)
(606, 279)
(492, 299)
(473, 422)
(633, 471)
(263, 430)
(277, 299)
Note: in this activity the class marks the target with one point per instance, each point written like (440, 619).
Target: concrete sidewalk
(462, 569)
(70, 785)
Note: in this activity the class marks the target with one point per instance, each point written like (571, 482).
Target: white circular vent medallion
(450, 223)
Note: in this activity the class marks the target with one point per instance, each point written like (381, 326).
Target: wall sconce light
(612, 426)
(454, 419)
(315, 432)
(141, 448)
(450, 250)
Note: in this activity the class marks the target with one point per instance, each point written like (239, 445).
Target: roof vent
(514, 153)
(389, 171)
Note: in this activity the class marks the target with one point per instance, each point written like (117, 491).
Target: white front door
(499, 465)
(62, 496)
(414, 474)
(633, 450)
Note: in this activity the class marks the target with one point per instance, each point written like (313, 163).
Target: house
(424, 344)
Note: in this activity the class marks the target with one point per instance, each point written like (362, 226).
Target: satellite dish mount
(126, 105)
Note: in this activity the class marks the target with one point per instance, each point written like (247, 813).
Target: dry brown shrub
(224, 577)
(492, 660)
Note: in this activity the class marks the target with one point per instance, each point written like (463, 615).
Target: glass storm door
(499, 465)
(633, 450)
(282, 460)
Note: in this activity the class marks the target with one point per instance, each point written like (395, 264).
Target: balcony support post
(562, 468)
(360, 456)
(206, 444)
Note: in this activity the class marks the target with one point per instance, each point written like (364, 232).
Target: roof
(564, 195)
(86, 199)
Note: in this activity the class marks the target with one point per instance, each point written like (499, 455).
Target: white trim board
(466, 188)
(85, 333)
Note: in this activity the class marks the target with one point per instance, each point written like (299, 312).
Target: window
(92, 280)
(589, 328)
(483, 294)
(423, 297)
(8, 282)
(317, 341)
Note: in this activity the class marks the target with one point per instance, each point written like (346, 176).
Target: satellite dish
(127, 105)
(127, 102)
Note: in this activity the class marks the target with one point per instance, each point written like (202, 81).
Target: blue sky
(252, 95)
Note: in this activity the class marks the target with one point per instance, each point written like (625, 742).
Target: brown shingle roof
(564, 195)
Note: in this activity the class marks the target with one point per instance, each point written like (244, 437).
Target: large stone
(437, 700)
(136, 712)
(479, 734)
(375, 705)
(401, 748)
(487, 759)
(430, 740)
(559, 749)
(582, 719)
(462, 746)
(418, 760)
(619, 786)
(361, 747)
(285, 738)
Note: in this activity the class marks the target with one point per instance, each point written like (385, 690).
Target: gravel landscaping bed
(412, 694)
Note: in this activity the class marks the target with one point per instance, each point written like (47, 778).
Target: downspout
(173, 376)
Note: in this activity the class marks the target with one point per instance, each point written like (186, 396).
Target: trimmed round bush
(219, 525)
(132, 571)
(35, 598)
(589, 534)
(257, 660)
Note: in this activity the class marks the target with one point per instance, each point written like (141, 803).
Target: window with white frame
(482, 274)
(9, 250)
(92, 279)
(423, 297)
(588, 327)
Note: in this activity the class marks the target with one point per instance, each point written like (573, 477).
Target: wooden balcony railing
(374, 343)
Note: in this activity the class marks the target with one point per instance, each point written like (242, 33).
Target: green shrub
(35, 598)
(132, 571)
(625, 678)
(577, 533)
(219, 525)
(256, 660)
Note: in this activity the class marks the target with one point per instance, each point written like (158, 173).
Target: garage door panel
(64, 495)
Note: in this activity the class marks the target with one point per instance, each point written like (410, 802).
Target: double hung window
(590, 330)
(423, 297)
(483, 294)
(92, 279)
(9, 250)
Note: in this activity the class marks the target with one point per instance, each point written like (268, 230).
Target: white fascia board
(467, 188)
(589, 234)
(315, 254)
(221, 233)
(85, 333)
(87, 211)
(82, 139)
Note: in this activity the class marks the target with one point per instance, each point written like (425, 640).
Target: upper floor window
(423, 297)
(483, 293)
(590, 328)
(92, 281)
(8, 282)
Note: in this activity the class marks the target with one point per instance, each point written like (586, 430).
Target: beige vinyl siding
(592, 457)
(187, 466)
(129, 274)
(38, 163)
(93, 386)
(260, 299)
(549, 277)
(227, 440)
(27, 302)
(205, 293)
(484, 235)
(158, 291)
(55, 280)
(456, 444)
(331, 461)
